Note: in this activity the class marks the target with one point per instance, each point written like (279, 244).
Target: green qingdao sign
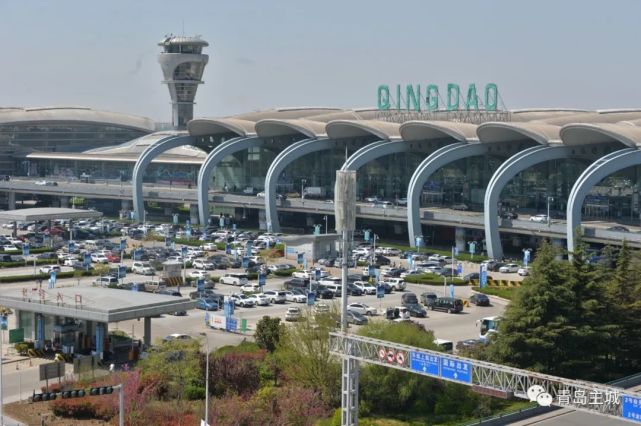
(427, 98)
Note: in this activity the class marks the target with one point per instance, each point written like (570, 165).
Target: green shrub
(285, 272)
(432, 279)
(31, 251)
(29, 263)
(194, 393)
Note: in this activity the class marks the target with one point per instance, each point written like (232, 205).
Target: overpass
(117, 190)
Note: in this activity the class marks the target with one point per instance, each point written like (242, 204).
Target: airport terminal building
(466, 170)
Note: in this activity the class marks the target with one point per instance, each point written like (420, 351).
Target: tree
(268, 332)
(304, 357)
(538, 328)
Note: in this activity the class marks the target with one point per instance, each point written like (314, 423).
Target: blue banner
(233, 227)
(187, 222)
(371, 270)
(366, 236)
(248, 248)
(40, 331)
(25, 249)
(188, 231)
(380, 291)
(122, 271)
(245, 263)
(526, 257)
(425, 363)
(451, 290)
(229, 308)
(72, 246)
(483, 275)
(317, 274)
(167, 241)
(200, 284)
(459, 268)
(228, 248)
(317, 229)
(305, 263)
(175, 219)
(221, 222)
(311, 298)
(455, 251)
(231, 324)
(100, 337)
(472, 247)
(262, 278)
(300, 258)
(418, 241)
(86, 260)
(123, 244)
(183, 251)
(456, 370)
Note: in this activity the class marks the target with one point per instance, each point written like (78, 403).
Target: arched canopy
(504, 132)
(219, 126)
(427, 130)
(274, 127)
(584, 134)
(342, 129)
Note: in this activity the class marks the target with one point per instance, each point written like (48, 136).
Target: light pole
(325, 218)
(206, 379)
(550, 199)
(302, 188)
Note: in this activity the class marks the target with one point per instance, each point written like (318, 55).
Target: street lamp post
(206, 379)
(550, 199)
(302, 188)
(325, 218)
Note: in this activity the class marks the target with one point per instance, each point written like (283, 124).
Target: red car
(112, 258)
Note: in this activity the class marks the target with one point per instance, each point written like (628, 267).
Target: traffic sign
(631, 408)
(261, 280)
(123, 244)
(317, 274)
(424, 363)
(311, 298)
(25, 249)
(122, 271)
(457, 370)
(200, 284)
(245, 262)
(380, 291)
(391, 356)
(400, 358)
(382, 353)
(232, 324)
(227, 248)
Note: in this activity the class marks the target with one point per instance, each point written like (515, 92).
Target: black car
(447, 304)
(415, 310)
(388, 288)
(352, 290)
(323, 292)
(428, 298)
(296, 283)
(479, 299)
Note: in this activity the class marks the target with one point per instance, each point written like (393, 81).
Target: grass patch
(433, 279)
(504, 292)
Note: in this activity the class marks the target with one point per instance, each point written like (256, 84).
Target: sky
(266, 54)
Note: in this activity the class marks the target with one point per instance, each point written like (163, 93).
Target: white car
(198, 274)
(250, 288)
(203, 264)
(509, 268)
(525, 271)
(260, 299)
(366, 287)
(71, 261)
(195, 253)
(233, 279)
(296, 298)
(9, 247)
(99, 258)
(362, 309)
(276, 296)
(142, 268)
(209, 247)
(242, 300)
(437, 258)
(49, 268)
(539, 218)
(302, 274)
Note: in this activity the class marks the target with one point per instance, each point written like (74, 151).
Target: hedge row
(285, 272)
(433, 279)
(29, 263)
(34, 250)
(31, 277)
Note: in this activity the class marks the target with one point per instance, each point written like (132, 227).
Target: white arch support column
(282, 160)
(595, 173)
(429, 166)
(506, 171)
(208, 167)
(372, 152)
(147, 156)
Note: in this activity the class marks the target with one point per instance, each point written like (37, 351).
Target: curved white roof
(75, 115)
(217, 126)
(626, 133)
(272, 127)
(541, 133)
(340, 129)
(425, 130)
(137, 146)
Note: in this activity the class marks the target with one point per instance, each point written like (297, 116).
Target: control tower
(182, 64)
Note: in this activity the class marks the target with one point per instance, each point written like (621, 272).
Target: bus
(488, 326)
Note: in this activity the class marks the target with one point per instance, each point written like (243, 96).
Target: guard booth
(74, 320)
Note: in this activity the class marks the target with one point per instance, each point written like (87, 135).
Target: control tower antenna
(182, 63)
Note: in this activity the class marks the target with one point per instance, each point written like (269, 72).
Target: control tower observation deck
(182, 64)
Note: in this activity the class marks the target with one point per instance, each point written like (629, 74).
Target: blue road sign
(245, 262)
(300, 258)
(175, 219)
(317, 274)
(424, 363)
(483, 274)
(188, 232)
(366, 235)
(183, 251)
(371, 270)
(472, 247)
(25, 249)
(311, 298)
(200, 284)
(456, 370)
(233, 227)
(86, 261)
(167, 241)
(123, 244)
(459, 268)
(262, 278)
(631, 408)
(221, 222)
(228, 248)
(122, 271)
(72, 246)
(380, 291)
(248, 248)
(231, 324)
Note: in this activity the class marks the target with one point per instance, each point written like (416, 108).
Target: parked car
(293, 314)
(198, 274)
(480, 299)
(203, 264)
(362, 309)
(509, 268)
(524, 271)
(294, 297)
(276, 296)
(250, 288)
(106, 281)
(234, 279)
(296, 283)
(356, 318)
(142, 268)
(242, 300)
(47, 269)
(447, 304)
(260, 299)
(99, 258)
(415, 310)
(396, 284)
(176, 336)
(207, 304)
(428, 298)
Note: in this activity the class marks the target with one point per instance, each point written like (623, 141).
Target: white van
(142, 268)
(234, 279)
(105, 281)
(396, 283)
